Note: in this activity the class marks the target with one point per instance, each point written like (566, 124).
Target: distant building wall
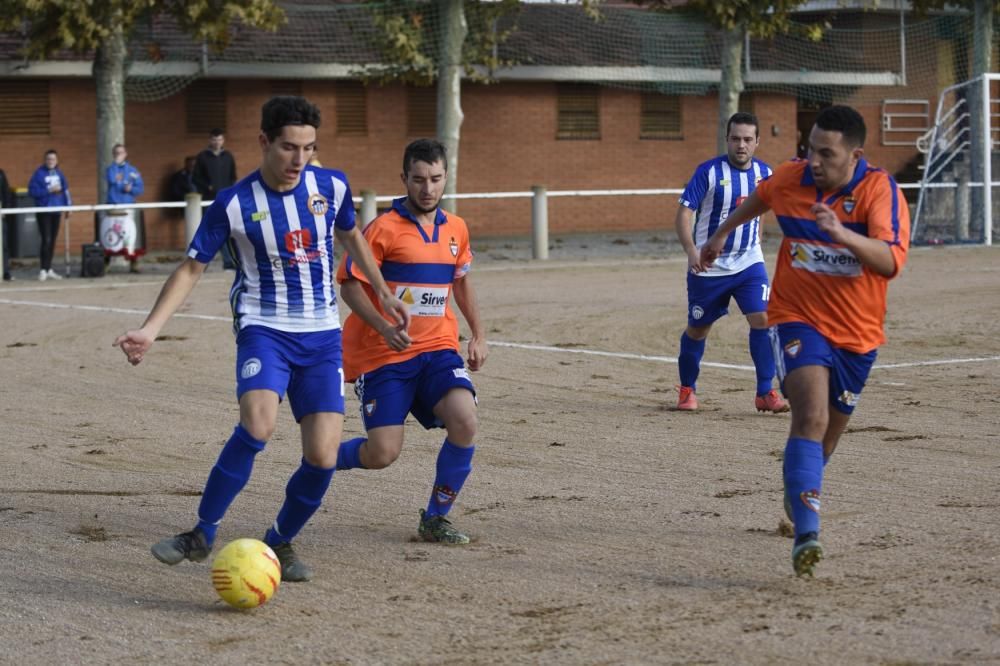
(508, 143)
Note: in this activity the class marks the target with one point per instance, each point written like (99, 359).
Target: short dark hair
(743, 118)
(51, 151)
(845, 120)
(284, 110)
(424, 150)
(215, 131)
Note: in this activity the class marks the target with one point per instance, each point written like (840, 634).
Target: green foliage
(409, 42)
(762, 19)
(83, 25)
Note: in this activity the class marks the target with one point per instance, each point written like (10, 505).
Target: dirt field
(610, 529)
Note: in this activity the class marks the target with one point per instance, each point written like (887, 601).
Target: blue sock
(803, 471)
(689, 359)
(763, 359)
(349, 454)
(303, 495)
(227, 478)
(454, 463)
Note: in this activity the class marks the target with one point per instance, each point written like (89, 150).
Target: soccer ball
(246, 573)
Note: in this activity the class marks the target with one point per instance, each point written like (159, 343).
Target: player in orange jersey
(846, 228)
(425, 257)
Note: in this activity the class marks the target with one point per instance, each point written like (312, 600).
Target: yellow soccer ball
(246, 573)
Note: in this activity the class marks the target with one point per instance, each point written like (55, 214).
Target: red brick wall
(508, 144)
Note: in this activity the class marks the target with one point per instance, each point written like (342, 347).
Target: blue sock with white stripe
(349, 454)
(454, 464)
(227, 478)
(803, 472)
(763, 359)
(303, 495)
(689, 359)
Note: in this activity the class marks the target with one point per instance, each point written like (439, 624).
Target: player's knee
(810, 424)
(381, 457)
(259, 428)
(462, 427)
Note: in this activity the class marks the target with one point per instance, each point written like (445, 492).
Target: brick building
(543, 124)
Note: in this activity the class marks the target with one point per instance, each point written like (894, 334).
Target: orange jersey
(419, 264)
(822, 283)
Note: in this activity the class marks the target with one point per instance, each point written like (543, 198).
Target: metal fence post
(192, 216)
(369, 208)
(539, 223)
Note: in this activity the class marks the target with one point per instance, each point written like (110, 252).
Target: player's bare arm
(749, 209)
(353, 294)
(683, 223)
(176, 289)
(361, 254)
(468, 304)
(872, 252)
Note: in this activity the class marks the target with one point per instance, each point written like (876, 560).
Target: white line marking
(500, 343)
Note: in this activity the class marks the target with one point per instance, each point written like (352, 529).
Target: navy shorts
(796, 345)
(708, 297)
(308, 366)
(389, 393)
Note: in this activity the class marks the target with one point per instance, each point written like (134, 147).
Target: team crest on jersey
(811, 499)
(849, 204)
(697, 312)
(369, 408)
(793, 348)
(849, 399)
(318, 204)
(454, 247)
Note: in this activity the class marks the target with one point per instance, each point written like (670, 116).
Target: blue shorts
(708, 297)
(307, 365)
(796, 345)
(414, 386)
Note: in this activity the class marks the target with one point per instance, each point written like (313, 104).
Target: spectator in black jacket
(7, 223)
(215, 170)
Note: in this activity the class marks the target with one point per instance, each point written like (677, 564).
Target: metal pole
(539, 223)
(192, 215)
(902, 43)
(963, 208)
(369, 208)
(987, 144)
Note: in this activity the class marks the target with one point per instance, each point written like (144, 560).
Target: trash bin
(26, 240)
(122, 233)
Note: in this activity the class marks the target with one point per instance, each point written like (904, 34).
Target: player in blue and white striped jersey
(717, 187)
(280, 222)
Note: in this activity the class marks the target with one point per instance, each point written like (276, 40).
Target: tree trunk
(449, 88)
(979, 126)
(731, 81)
(109, 80)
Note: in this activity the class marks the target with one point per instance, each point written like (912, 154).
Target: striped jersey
(822, 283)
(283, 244)
(714, 191)
(420, 264)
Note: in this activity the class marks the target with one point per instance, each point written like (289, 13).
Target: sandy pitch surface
(610, 529)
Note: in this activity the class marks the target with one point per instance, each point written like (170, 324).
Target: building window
(286, 87)
(25, 108)
(579, 114)
(421, 111)
(660, 117)
(352, 108)
(206, 106)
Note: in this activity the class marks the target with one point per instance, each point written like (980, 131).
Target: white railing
(368, 202)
